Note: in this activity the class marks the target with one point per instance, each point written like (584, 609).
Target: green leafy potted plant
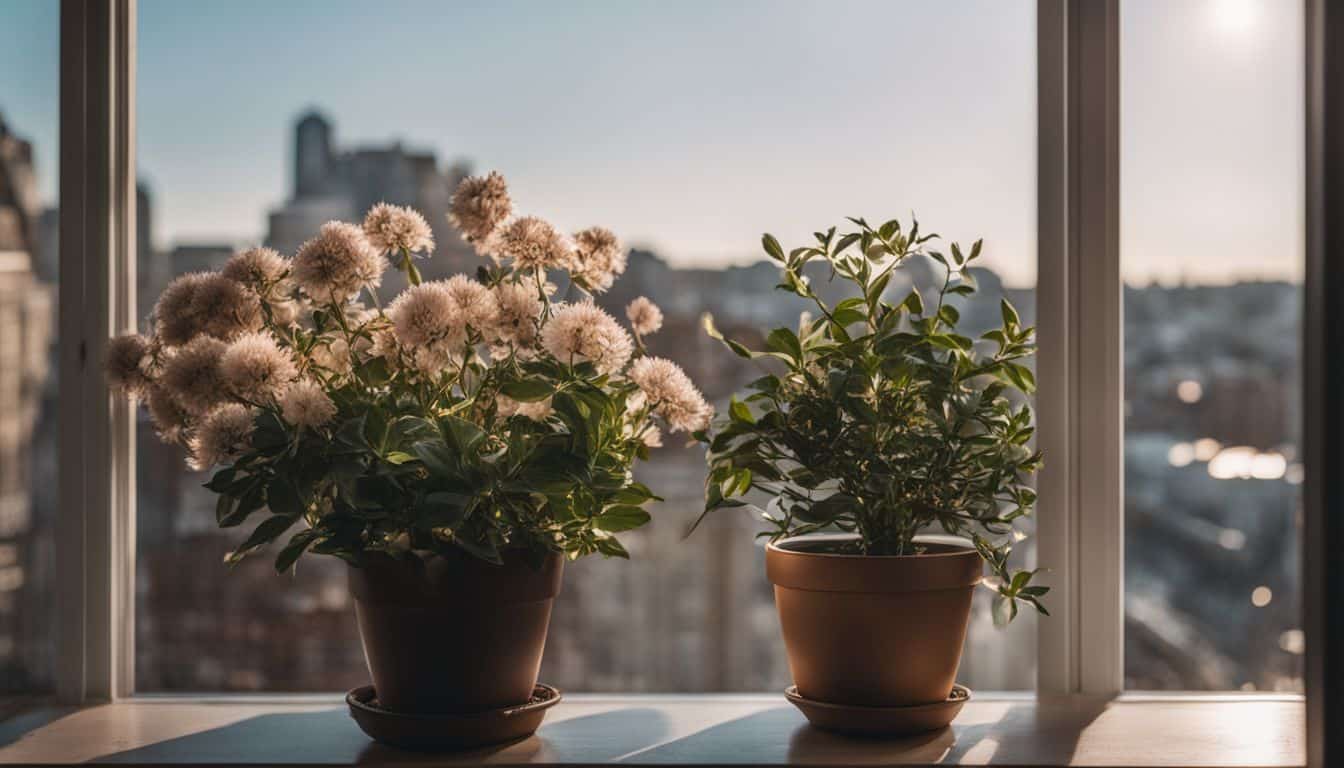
(878, 422)
(454, 446)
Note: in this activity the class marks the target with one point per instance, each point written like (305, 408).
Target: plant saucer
(881, 721)
(442, 732)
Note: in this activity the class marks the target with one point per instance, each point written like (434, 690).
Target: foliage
(448, 421)
(881, 419)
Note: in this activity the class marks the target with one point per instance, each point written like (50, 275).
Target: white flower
(519, 308)
(479, 206)
(261, 269)
(306, 404)
(169, 418)
(256, 369)
(428, 316)
(392, 229)
(337, 264)
(476, 304)
(671, 394)
(191, 375)
(597, 258)
(222, 435)
(128, 362)
(645, 317)
(205, 303)
(583, 332)
(532, 244)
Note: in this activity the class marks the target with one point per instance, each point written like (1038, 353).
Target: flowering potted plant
(879, 422)
(454, 446)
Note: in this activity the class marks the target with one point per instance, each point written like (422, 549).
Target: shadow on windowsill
(330, 736)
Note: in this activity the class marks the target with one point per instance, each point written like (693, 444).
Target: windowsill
(674, 729)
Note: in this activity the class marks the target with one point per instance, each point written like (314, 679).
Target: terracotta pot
(458, 635)
(872, 630)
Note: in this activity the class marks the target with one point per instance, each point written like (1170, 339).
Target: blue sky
(693, 126)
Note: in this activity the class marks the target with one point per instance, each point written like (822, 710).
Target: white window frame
(1079, 408)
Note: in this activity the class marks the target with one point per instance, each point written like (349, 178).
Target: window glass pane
(1211, 238)
(689, 129)
(29, 71)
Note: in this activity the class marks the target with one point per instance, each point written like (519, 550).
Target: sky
(692, 127)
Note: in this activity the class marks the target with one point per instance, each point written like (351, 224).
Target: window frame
(1080, 649)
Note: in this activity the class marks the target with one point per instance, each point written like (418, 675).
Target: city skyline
(686, 154)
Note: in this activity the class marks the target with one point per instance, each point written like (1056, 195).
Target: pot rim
(959, 568)
(959, 547)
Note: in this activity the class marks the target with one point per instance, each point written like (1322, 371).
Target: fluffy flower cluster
(205, 303)
(256, 369)
(645, 317)
(393, 229)
(532, 244)
(480, 204)
(306, 404)
(224, 433)
(304, 345)
(671, 394)
(598, 258)
(585, 333)
(263, 270)
(337, 264)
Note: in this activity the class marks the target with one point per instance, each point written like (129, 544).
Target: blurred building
(27, 428)
(331, 183)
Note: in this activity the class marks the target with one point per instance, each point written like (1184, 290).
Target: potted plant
(454, 445)
(879, 422)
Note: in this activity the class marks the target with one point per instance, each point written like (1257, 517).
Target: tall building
(26, 395)
(330, 183)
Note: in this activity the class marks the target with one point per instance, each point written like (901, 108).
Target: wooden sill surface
(676, 730)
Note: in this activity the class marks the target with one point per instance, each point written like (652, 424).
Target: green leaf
(465, 436)
(784, 341)
(878, 287)
(437, 457)
(409, 428)
(445, 509)
(263, 534)
(845, 242)
(829, 508)
(1021, 376)
(772, 247)
(1010, 318)
(283, 498)
(298, 544)
(913, 303)
(485, 550)
(739, 412)
(237, 514)
(398, 457)
(528, 390)
(622, 517)
(610, 547)
(707, 322)
(351, 433)
(1004, 610)
(221, 480)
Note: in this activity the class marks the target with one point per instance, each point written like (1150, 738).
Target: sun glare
(1235, 17)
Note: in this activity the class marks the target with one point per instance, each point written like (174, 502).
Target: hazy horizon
(690, 139)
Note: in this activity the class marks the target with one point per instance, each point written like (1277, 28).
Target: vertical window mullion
(1081, 399)
(97, 300)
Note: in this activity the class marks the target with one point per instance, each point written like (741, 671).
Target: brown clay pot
(872, 630)
(458, 635)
